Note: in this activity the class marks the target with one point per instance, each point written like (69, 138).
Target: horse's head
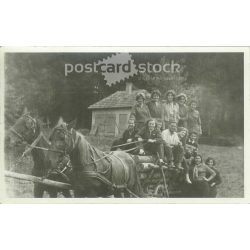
(62, 171)
(25, 129)
(63, 140)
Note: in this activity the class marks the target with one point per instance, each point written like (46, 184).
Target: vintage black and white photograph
(157, 124)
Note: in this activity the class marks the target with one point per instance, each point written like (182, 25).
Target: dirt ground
(230, 163)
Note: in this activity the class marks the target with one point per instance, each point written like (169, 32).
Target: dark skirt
(213, 192)
(200, 189)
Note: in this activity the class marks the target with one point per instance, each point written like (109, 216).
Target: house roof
(120, 99)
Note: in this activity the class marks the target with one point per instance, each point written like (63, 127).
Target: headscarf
(171, 91)
(140, 94)
(180, 95)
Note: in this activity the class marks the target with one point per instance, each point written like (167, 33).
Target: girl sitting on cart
(150, 140)
(127, 139)
(191, 147)
(159, 125)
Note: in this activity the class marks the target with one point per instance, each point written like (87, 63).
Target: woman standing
(183, 110)
(202, 175)
(154, 105)
(140, 111)
(194, 120)
(170, 110)
(210, 162)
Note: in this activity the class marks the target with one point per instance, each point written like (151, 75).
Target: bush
(221, 140)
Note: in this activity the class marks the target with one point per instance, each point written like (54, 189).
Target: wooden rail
(36, 179)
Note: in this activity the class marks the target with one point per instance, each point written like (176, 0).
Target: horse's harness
(60, 169)
(32, 126)
(95, 174)
(34, 143)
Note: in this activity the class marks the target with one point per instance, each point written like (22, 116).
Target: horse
(28, 130)
(95, 173)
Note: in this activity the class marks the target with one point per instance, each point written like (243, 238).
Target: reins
(59, 171)
(111, 152)
(33, 144)
(125, 144)
(95, 174)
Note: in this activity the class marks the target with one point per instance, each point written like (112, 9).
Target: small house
(110, 115)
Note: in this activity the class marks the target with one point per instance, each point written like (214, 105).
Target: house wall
(109, 121)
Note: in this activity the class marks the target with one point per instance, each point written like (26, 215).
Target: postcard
(124, 125)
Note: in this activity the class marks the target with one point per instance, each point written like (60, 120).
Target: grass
(230, 163)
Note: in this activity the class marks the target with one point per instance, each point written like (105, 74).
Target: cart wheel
(148, 190)
(160, 191)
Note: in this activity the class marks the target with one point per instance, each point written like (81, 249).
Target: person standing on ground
(210, 162)
(202, 175)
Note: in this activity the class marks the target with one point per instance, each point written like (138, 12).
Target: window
(105, 123)
(123, 118)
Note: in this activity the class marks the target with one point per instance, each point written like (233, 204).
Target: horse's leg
(66, 194)
(117, 193)
(38, 190)
(52, 193)
(136, 188)
(126, 194)
(122, 194)
(78, 193)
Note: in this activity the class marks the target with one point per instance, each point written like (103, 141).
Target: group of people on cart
(170, 130)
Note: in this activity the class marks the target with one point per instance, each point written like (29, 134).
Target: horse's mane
(84, 152)
(39, 156)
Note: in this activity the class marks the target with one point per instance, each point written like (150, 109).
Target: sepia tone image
(124, 125)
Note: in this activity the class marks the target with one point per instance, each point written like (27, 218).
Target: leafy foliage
(38, 81)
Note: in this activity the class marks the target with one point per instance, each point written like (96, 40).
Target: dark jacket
(155, 110)
(183, 112)
(119, 143)
(154, 148)
(128, 134)
(141, 114)
(145, 134)
(191, 147)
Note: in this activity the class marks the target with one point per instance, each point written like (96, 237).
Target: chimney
(129, 86)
